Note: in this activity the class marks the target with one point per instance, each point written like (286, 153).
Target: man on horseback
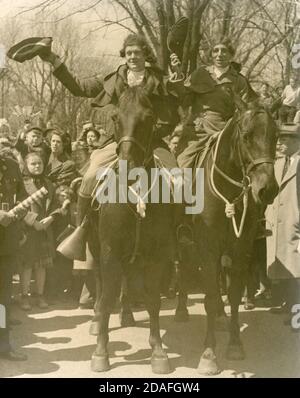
(210, 95)
(134, 72)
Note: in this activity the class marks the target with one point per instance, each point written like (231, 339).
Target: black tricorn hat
(177, 35)
(29, 48)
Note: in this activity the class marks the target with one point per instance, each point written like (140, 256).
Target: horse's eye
(115, 117)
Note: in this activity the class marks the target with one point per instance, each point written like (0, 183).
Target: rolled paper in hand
(34, 198)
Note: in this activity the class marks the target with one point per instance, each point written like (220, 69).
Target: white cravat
(135, 78)
(220, 71)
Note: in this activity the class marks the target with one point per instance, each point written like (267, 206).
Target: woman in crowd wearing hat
(91, 137)
(134, 72)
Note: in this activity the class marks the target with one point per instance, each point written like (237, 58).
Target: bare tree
(33, 84)
(262, 30)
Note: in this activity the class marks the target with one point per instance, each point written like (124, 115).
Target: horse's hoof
(235, 352)
(182, 315)
(94, 328)
(222, 323)
(171, 293)
(126, 319)
(160, 365)
(208, 365)
(249, 305)
(100, 363)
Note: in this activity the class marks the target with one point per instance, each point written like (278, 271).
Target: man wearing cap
(283, 217)
(211, 94)
(33, 141)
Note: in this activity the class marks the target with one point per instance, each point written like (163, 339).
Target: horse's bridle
(145, 149)
(253, 162)
(246, 169)
(245, 185)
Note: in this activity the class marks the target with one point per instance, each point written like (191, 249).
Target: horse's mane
(133, 97)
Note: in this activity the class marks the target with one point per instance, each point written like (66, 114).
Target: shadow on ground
(272, 349)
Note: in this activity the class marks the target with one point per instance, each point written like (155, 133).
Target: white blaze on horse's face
(135, 58)
(221, 56)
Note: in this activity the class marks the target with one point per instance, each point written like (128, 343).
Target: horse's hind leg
(159, 360)
(235, 349)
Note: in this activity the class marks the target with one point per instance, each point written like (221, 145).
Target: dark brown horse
(238, 170)
(131, 245)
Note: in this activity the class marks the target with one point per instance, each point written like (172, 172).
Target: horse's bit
(245, 184)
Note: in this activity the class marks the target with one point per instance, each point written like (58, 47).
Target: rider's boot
(74, 246)
(83, 204)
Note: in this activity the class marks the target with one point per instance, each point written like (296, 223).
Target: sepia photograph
(149, 191)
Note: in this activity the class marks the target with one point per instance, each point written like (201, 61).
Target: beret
(29, 48)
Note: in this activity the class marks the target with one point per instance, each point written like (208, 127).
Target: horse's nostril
(267, 195)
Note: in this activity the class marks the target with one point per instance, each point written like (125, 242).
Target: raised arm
(89, 88)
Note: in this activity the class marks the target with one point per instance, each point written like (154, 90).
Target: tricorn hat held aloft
(29, 48)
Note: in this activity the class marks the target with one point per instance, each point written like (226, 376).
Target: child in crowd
(38, 251)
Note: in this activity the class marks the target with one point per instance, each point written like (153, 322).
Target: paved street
(58, 344)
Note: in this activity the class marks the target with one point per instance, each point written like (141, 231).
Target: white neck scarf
(135, 78)
(220, 71)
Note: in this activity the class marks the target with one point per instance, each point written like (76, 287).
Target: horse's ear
(240, 104)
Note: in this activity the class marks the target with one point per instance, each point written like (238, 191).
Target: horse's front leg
(126, 315)
(153, 276)
(94, 327)
(236, 281)
(181, 314)
(208, 365)
(111, 274)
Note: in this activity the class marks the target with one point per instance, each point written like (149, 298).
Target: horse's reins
(245, 184)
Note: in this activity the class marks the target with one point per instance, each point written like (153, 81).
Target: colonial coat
(283, 217)
(108, 91)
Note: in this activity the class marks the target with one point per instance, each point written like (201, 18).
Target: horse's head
(135, 125)
(257, 136)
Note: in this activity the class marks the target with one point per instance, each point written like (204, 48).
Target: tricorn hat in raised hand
(177, 35)
(29, 48)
